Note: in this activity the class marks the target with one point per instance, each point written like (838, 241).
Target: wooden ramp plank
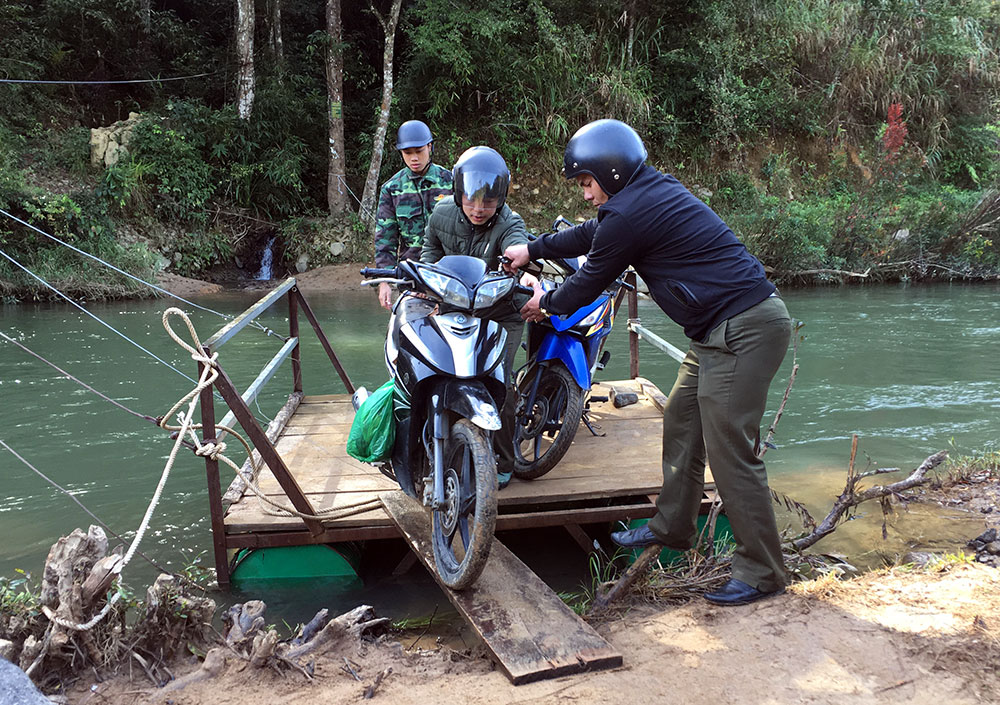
(530, 632)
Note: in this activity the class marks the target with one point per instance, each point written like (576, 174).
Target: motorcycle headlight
(451, 290)
(593, 321)
(489, 292)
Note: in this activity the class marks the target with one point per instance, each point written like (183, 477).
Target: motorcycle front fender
(568, 350)
(471, 399)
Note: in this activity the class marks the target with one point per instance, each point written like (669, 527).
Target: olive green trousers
(717, 404)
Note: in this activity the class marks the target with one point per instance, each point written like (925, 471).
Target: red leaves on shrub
(895, 132)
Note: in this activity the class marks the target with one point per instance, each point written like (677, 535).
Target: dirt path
(895, 636)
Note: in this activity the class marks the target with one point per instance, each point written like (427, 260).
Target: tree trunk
(244, 56)
(277, 46)
(145, 11)
(378, 144)
(336, 187)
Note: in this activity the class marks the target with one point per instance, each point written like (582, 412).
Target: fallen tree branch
(348, 625)
(370, 691)
(637, 569)
(215, 661)
(809, 272)
(784, 399)
(850, 497)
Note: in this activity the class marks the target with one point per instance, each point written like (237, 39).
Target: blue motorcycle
(563, 354)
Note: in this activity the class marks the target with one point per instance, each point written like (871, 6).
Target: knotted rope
(212, 449)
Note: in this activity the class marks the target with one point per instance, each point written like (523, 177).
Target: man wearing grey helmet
(477, 221)
(406, 201)
(703, 278)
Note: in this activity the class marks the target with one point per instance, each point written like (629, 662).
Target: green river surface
(910, 369)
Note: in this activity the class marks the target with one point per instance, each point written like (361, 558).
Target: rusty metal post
(322, 339)
(633, 315)
(214, 486)
(293, 332)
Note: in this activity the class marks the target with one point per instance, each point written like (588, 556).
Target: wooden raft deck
(601, 479)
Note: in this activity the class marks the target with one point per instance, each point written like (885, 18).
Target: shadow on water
(909, 369)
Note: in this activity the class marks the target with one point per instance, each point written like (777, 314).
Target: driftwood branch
(248, 640)
(624, 583)
(215, 661)
(788, 389)
(850, 497)
(348, 626)
(370, 691)
(809, 272)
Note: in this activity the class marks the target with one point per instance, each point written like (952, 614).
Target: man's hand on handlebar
(517, 256)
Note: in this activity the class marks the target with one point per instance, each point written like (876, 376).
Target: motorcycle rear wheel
(462, 532)
(543, 434)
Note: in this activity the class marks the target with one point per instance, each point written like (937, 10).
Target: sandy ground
(334, 277)
(888, 637)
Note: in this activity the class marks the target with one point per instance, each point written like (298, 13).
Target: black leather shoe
(639, 537)
(736, 592)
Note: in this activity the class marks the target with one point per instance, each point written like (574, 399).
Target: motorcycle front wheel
(462, 531)
(544, 432)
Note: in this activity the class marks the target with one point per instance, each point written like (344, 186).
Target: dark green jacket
(404, 205)
(450, 233)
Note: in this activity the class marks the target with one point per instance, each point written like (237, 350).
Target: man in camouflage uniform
(406, 201)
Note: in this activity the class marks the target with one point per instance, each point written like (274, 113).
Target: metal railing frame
(239, 407)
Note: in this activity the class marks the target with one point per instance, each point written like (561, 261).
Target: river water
(910, 369)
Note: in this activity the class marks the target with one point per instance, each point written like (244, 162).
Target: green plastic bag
(374, 429)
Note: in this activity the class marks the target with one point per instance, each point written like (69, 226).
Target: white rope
(213, 450)
(208, 376)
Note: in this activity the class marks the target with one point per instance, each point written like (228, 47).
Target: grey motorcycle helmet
(481, 173)
(609, 150)
(413, 133)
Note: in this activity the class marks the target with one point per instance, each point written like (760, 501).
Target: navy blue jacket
(696, 269)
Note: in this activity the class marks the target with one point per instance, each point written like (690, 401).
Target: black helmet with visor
(481, 174)
(609, 150)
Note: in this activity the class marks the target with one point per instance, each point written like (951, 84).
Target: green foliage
(979, 464)
(11, 175)
(196, 252)
(18, 598)
(524, 74)
(174, 166)
(970, 157)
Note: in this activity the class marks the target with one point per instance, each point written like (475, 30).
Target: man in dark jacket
(477, 221)
(701, 276)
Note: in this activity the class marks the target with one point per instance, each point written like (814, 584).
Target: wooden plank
(529, 631)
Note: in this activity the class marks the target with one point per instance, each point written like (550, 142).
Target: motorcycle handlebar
(378, 272)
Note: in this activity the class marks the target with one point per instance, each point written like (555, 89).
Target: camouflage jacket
(404, 205)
